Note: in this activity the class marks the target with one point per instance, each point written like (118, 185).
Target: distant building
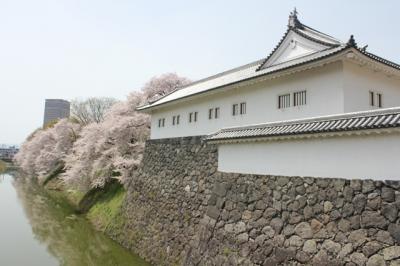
(8, 153)
(55, 109)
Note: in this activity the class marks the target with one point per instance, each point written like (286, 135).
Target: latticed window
(299, 98)
(284, 101)
(242, 108)
(235, 109)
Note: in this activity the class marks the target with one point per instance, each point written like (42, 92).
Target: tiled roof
(377, 119)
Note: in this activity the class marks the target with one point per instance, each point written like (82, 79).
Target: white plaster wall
(358, 81)
(324, 96)
(365, 157)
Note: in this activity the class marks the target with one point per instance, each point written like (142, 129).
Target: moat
(38, 229)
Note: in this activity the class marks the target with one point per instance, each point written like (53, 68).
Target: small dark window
(195, 116)
(371, 98)
(284, 101)
(379, 100)
(299, 98)
(190, 117)
(235, 109)
(161, 122)
(216, 112)
(242, 108)
(175, 120)
(210, 113)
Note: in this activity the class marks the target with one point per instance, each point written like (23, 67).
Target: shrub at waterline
(3, 166)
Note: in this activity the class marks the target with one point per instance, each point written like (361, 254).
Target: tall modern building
(55, 109)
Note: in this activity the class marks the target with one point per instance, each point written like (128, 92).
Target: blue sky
(76, 49)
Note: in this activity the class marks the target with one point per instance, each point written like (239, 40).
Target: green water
(36, 230)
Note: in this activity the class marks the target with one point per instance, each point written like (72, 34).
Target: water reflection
(68, 237)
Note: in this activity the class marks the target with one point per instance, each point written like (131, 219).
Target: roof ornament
(364, 49)
(351, 42)
(294, 21)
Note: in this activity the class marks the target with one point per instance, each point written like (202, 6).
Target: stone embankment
(181, 211)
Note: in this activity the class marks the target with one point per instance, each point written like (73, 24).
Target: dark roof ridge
(379, 59)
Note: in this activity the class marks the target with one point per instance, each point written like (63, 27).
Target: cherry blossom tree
(41, 152)
(162, 85)
(96, 151)
(110, 149)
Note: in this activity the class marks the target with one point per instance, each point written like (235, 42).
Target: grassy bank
(101, 206)
(106, 214)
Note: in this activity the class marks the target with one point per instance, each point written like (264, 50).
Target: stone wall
(182, 211)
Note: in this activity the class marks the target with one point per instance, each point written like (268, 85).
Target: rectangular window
(242, 108)
(379, 100)
(235, 109)
(284, 101)
(299, 98)
(175, 120)
(195, 116)
(210, 113)
(190, 117)
(216, 113)
(161, 122)
(371, 98)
